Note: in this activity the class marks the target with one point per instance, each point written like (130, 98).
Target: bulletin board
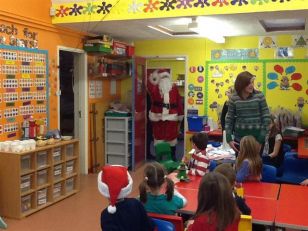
(23, 89)
(283, 81)
(287, 86)
(220, 76)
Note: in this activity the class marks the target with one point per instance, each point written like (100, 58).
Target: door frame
(80, 101)
(185, 85)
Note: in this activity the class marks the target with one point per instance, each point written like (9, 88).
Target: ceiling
(228, 25)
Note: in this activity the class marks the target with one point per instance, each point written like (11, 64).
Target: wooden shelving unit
(33, 180)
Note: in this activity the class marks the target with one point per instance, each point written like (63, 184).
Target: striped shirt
(199, 163)
(247, 117)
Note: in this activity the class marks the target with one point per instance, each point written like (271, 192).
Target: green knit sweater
(247, 117)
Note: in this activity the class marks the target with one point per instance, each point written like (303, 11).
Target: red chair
(176, 220)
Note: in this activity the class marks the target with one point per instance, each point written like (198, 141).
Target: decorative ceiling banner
(267, 42)
(300, 41)
(110, 10)
(234, 54)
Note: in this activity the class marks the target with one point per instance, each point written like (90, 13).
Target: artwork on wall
(284, 52)
(23, 89)
(300, 41)
(267, 41)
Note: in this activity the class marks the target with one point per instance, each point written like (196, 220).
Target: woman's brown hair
(215, 199)
(243, 79)
(250, 149)
(274, 129)
(154, 178)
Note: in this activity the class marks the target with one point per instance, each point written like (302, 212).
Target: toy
(182, 173)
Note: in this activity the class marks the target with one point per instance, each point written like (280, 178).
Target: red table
(262, 190)
(192, 184)
(192, 200)
(263, 210)
(292, 207)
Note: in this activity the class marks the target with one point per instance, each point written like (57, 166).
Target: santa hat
(114, 182)
(163, 73)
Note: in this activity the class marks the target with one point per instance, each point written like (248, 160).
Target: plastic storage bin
(70, 167)
(56, 155)
(41, 159)
(57, 188)
(42, 177)
(196, 123)
(69, 150)
(42, 196)
(26, 203)
(57, 172)
(25, 183)
(25, 162)
(69, 185)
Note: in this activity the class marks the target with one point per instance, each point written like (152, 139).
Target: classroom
(82, 87)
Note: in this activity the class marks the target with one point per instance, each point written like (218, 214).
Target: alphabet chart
(23, 88)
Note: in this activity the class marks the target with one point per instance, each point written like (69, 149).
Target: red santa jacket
(160, 110)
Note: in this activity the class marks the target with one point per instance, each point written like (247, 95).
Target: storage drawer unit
(42, 177)
(41, 159)
(57, 155)
(57, 172)
(41, 197)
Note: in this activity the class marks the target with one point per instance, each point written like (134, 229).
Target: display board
(283, 81)
(23, 89)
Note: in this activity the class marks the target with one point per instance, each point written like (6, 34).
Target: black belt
(166, 105)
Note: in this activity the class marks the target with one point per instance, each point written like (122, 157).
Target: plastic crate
(26, 203)
(41, 159)
(57, 190)
(42, 196)
(42, 177)
(25, 183)
(57, 155)
(196, 123)
(25, 162)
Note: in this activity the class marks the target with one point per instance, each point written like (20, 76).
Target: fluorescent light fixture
(210, 31)
(180, 58)
(161, 30)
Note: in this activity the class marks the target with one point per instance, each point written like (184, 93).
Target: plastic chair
(295, 170)
(269, 173)
(161, 225)
(163, 156)
(175, 220)
(213, 165)
(245, 223)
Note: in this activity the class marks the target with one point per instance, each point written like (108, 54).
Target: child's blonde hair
(154, 177)
(250, 150)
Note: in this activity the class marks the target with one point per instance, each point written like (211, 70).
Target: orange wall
(34, 14)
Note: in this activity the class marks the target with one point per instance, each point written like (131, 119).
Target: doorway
(176, 65)
(72, 99)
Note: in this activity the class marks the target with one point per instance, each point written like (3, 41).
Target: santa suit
(165, 114)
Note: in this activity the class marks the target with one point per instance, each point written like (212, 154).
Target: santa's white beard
(165, 86)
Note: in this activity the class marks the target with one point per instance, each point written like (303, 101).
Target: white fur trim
(159, 116)
(111, 209)
(154, 77)
(171, 142)
(104, 190)
(180, 118)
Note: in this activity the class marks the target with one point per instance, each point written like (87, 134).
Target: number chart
(23, 88)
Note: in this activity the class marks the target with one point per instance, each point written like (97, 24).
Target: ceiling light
(210, 31)
(180, 58)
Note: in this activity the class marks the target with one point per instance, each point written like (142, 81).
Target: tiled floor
(80, 212)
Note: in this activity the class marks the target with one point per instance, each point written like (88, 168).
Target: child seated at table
(216, 208)
(157, 191)
(199, 162)
(229, 173)
(249, 163)
(123, 214)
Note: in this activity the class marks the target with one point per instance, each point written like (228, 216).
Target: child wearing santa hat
(123, 214)
(152, 193)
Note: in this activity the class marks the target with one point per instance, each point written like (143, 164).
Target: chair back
(162, 225)
(177, 221)
(269, 173)
(245, 223)
(163, 151)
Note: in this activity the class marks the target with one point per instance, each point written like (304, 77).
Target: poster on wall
(23, 89)
(300, 41)
(267, 42)
(287, 79)
(217, 87)
(284, 52)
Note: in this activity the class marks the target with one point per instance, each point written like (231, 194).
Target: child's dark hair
(154, 177)
(227, 170)
(200, 140)
(215, 198)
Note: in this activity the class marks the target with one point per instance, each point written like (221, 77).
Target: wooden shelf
(13, 199)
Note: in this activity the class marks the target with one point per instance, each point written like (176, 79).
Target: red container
(130, 50)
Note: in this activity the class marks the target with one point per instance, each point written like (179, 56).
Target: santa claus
(166, 111)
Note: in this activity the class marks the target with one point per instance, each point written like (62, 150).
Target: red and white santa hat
(163, 73)
(114, 182)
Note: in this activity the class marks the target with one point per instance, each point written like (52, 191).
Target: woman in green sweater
(248, 113)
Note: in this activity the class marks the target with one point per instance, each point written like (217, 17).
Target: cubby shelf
(28, 179)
